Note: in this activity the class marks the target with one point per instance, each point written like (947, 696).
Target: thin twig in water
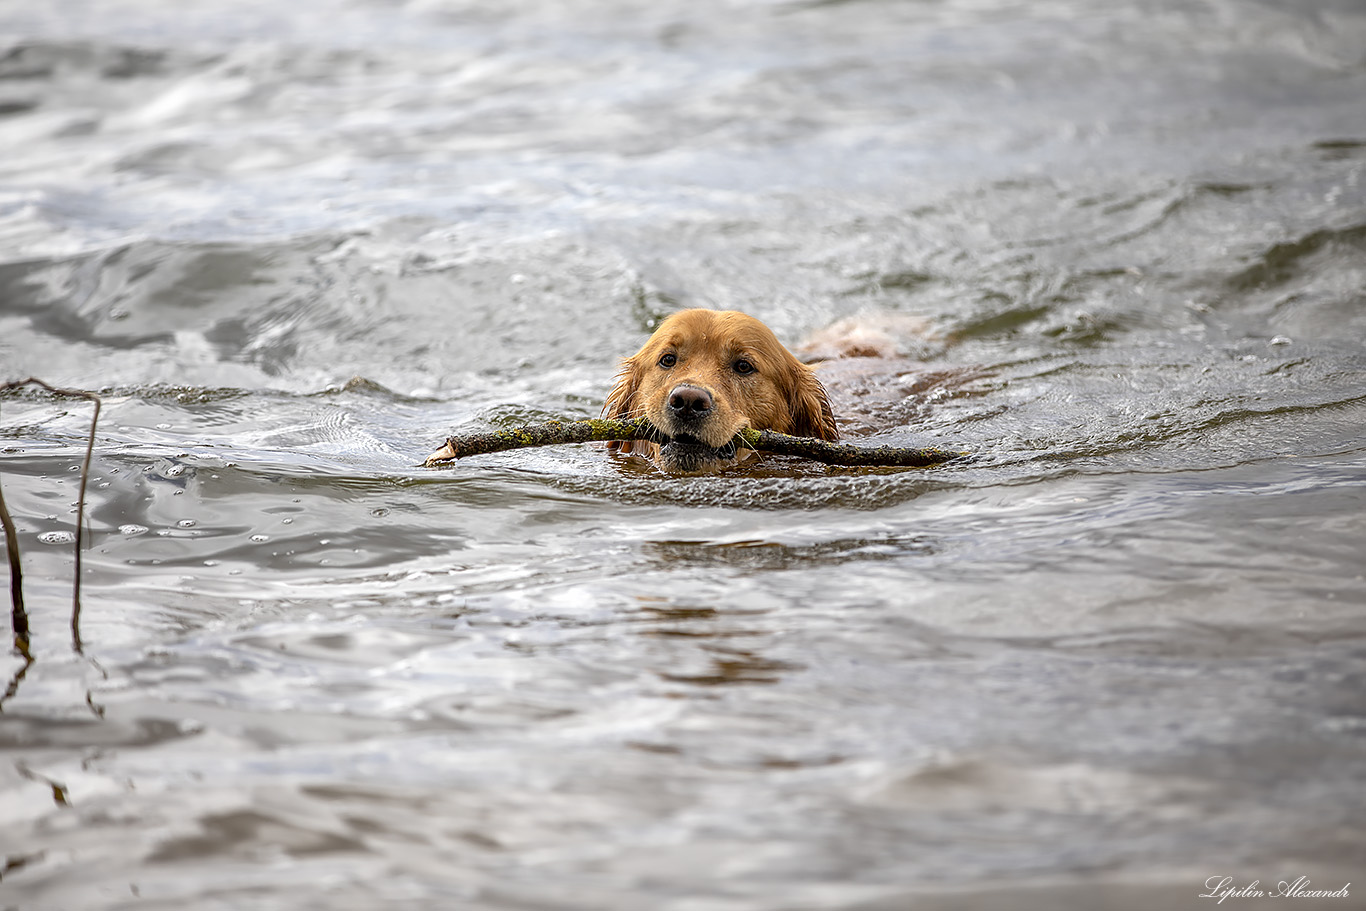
(18, 617)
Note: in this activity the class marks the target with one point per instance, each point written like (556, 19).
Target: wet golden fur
(706, 374)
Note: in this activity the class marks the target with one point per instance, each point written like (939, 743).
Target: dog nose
(690, 402)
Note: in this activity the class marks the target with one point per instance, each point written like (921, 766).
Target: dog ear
(811, 414)
(622, 400)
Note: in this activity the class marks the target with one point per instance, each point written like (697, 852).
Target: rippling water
(293, 246)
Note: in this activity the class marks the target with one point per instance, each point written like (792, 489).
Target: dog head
(703, 376)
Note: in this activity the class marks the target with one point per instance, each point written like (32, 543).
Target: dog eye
(668, 361)
(743, 366)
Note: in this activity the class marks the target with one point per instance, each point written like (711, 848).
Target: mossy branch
(550, 433)
(553, 433)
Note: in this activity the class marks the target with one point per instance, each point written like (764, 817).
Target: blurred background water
(294, 245)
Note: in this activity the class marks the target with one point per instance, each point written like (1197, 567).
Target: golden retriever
(706, 374)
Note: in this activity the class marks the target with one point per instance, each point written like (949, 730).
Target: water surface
(1118, 653)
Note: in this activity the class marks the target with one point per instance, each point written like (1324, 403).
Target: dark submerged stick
(554, 433)
(845, 453)
(18, 618)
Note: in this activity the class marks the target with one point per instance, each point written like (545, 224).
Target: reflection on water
(1116, 254)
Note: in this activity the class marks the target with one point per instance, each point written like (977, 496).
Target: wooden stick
(845, 453)
(552, 433)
